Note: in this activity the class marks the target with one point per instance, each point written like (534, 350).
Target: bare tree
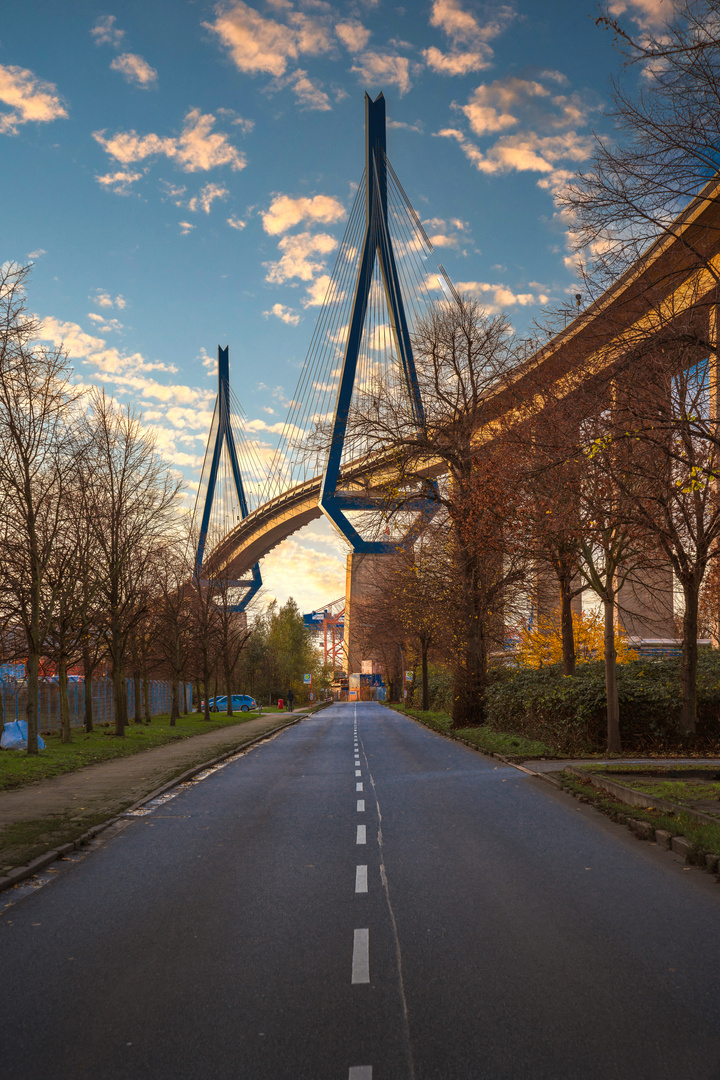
(132, 510)
(464, 359)
(37, 457)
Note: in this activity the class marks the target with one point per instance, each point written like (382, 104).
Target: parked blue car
(240, 703)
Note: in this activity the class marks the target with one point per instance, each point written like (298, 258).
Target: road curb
(21, 873)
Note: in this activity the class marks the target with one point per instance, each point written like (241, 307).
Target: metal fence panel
(13, 701)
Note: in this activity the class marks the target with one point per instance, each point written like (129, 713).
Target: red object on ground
(280, 703)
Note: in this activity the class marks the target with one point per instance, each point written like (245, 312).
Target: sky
(179, 173)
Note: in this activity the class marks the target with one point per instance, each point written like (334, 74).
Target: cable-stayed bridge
(381, 285)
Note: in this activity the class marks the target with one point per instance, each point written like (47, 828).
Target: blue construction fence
(13, 701)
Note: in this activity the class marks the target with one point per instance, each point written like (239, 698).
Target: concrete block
(5, 882)
(642, 829)
(65, 849)
(711, 863)
(681, 846)
(663, 837)
(42, 861)
(19, 873)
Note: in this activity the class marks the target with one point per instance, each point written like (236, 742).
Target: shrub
(540, 645)
(570, 712)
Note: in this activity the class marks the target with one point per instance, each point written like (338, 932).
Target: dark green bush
(570, 712)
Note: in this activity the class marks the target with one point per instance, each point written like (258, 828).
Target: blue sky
(180, 174)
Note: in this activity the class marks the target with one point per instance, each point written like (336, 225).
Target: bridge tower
(367, 556)
(217, 464)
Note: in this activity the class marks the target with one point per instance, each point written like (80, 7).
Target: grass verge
(661, 785)
(18, 768)
(704, 838)
(515, 747)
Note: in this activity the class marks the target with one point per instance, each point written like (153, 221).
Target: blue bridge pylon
(377, 246)
(221, 433)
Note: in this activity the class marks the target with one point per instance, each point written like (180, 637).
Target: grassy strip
(658, 787)
(705, 839)
(18, 768)
(492, 742)
(23, 841)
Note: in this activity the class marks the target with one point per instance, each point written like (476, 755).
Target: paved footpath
(361, 899)
(109, 786)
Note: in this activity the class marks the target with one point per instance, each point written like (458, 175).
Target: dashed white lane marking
(361, 837)
(361, 957)
(361, 805)
(360, 1072)
(358, 787)
(361, 879)
(358, 772)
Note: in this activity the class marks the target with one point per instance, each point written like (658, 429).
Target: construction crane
(328, 623)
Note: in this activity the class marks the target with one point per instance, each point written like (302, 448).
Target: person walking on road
(290, 700)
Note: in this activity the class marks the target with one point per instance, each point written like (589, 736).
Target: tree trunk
(175, 705)
(566, 627)
(136, 694)
(689, 662)
(31, 710)
(146, 696)
(88, 674)
(197, 693)
(611, 690)
(206, 685)
(470, 676)
(424, 663)
(229, 709)
(65, 733)
(118, 680)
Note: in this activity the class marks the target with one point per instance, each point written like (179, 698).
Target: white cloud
(185, 410)
(299, 257)
(29, 99)
(286, 314)
(316, 293)
(135, 69)
(502, 104)
(94, 350)
(197, 149)
(468, 35)
(258, 44)
(284, 212)
(105, 31)
(308, 94)
(353, 35)
(462, 27)
(310, 575)
(496, 298)
(103, 299)
(185, 227)
(37, 254)
(383, 69)
(456, 63)
(207, 197)
(119, 181)
(104, 324)
(526, 152)
(418, 126)
(236, 223)
(648, 14)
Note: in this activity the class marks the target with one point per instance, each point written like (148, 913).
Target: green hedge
(570, 712)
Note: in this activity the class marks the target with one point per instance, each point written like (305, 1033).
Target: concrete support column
(363, 581)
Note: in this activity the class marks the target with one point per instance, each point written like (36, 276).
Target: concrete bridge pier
(364, 579)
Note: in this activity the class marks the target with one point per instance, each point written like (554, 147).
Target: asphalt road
(499, 930)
